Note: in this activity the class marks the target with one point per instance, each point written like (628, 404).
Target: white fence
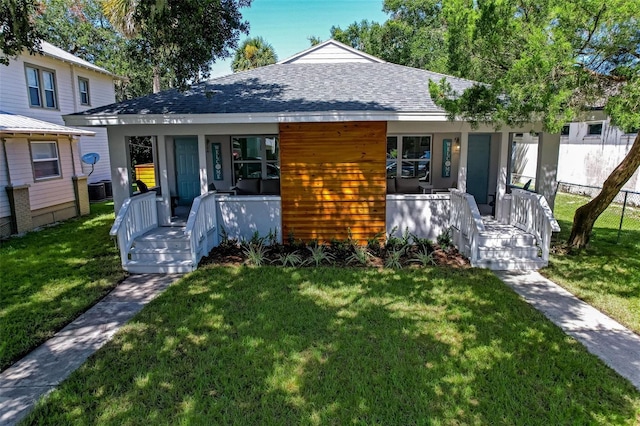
(531, 213)
(467, 223)
(201, 226)
(136, 216)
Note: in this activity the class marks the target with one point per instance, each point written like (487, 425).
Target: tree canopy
(253, 53)
(549, 61)
(412, 36)
(17, 29)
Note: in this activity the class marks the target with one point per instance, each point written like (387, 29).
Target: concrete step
(511, 264)
(518, 252)
(165, 267)
(506, 240)
(163, 254)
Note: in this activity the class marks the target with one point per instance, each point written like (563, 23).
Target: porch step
(510, 252)
(162, 254)
(162, 267)
(495, 239)
(511, 264)
(159, 251)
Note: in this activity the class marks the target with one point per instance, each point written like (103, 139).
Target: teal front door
(187, 169)
(478, 160)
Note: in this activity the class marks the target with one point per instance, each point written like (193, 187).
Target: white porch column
(462, 165)
(164, 206)
(503, 169)
(119, 156)
(202, 160)
(547, 167)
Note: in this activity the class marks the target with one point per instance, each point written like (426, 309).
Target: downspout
(73, 157)
(6, 160)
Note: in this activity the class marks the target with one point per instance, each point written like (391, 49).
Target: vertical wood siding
(333, 180)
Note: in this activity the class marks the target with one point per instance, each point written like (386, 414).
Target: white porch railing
(465, 218)
(200, 226)
(136, 216)
(531, 213)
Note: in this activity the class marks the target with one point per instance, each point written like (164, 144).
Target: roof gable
(331, 51)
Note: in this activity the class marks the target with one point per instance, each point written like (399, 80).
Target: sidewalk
(604, 337)
(38, 373)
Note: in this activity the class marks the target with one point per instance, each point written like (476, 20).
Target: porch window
(256, 157)
(415, 161)
(46, 163)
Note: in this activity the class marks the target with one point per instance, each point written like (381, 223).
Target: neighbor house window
(256, 157)
(42, 88)
(46, 163)
(595, 129)
(415, 158)
(83, 87)
(565, 130)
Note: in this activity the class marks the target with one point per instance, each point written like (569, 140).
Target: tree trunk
(586, 215)
(156, 79)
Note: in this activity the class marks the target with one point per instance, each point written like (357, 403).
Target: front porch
(520, 241)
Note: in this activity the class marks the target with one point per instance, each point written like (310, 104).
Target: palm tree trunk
(156, 79)
(586, 215)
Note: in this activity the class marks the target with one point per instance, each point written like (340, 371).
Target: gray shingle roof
(298, 87)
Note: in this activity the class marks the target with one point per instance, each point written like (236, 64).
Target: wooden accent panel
(333, 179)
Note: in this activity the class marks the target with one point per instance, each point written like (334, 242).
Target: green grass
(605, 275)
(51, 276)
(272, 345)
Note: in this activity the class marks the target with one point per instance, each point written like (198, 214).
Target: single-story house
(40, 172)
(326, 143)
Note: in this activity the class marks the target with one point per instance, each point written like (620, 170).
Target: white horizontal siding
(100, 144)
(5, 209)
(52, 192)
(331, 53)
(14, 96)
(44, 193)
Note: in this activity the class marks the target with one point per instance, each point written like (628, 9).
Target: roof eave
(246, 118)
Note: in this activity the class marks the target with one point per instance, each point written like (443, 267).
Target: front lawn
(51, 276)
(605, 275)
(273, 345)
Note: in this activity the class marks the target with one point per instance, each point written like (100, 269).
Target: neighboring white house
(589, 151)
(55, 83)
(42, 177)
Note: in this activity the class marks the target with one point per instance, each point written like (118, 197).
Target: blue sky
(286, 24)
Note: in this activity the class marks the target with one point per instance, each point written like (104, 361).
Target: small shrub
(319, 255)
(272, 237)
(256, 239)
(289, 259)
(444, 240)
(225, 241)
(256, 254)
(424, 258)
(360, 256)
(423, 244)
(393, 259)
(373, 243)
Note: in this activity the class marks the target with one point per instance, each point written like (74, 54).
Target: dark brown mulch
(233, 254)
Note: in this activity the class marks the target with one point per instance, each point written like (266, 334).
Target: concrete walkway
(38, 373)
(604, 337)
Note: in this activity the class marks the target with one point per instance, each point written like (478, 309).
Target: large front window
(256, 157)
(409, 157)
(44, 156)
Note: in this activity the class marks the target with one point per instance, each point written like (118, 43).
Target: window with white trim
(594, 129)
(255, 157)
(45, 159)
(415, 158)
(41, 85)
(83, 88)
